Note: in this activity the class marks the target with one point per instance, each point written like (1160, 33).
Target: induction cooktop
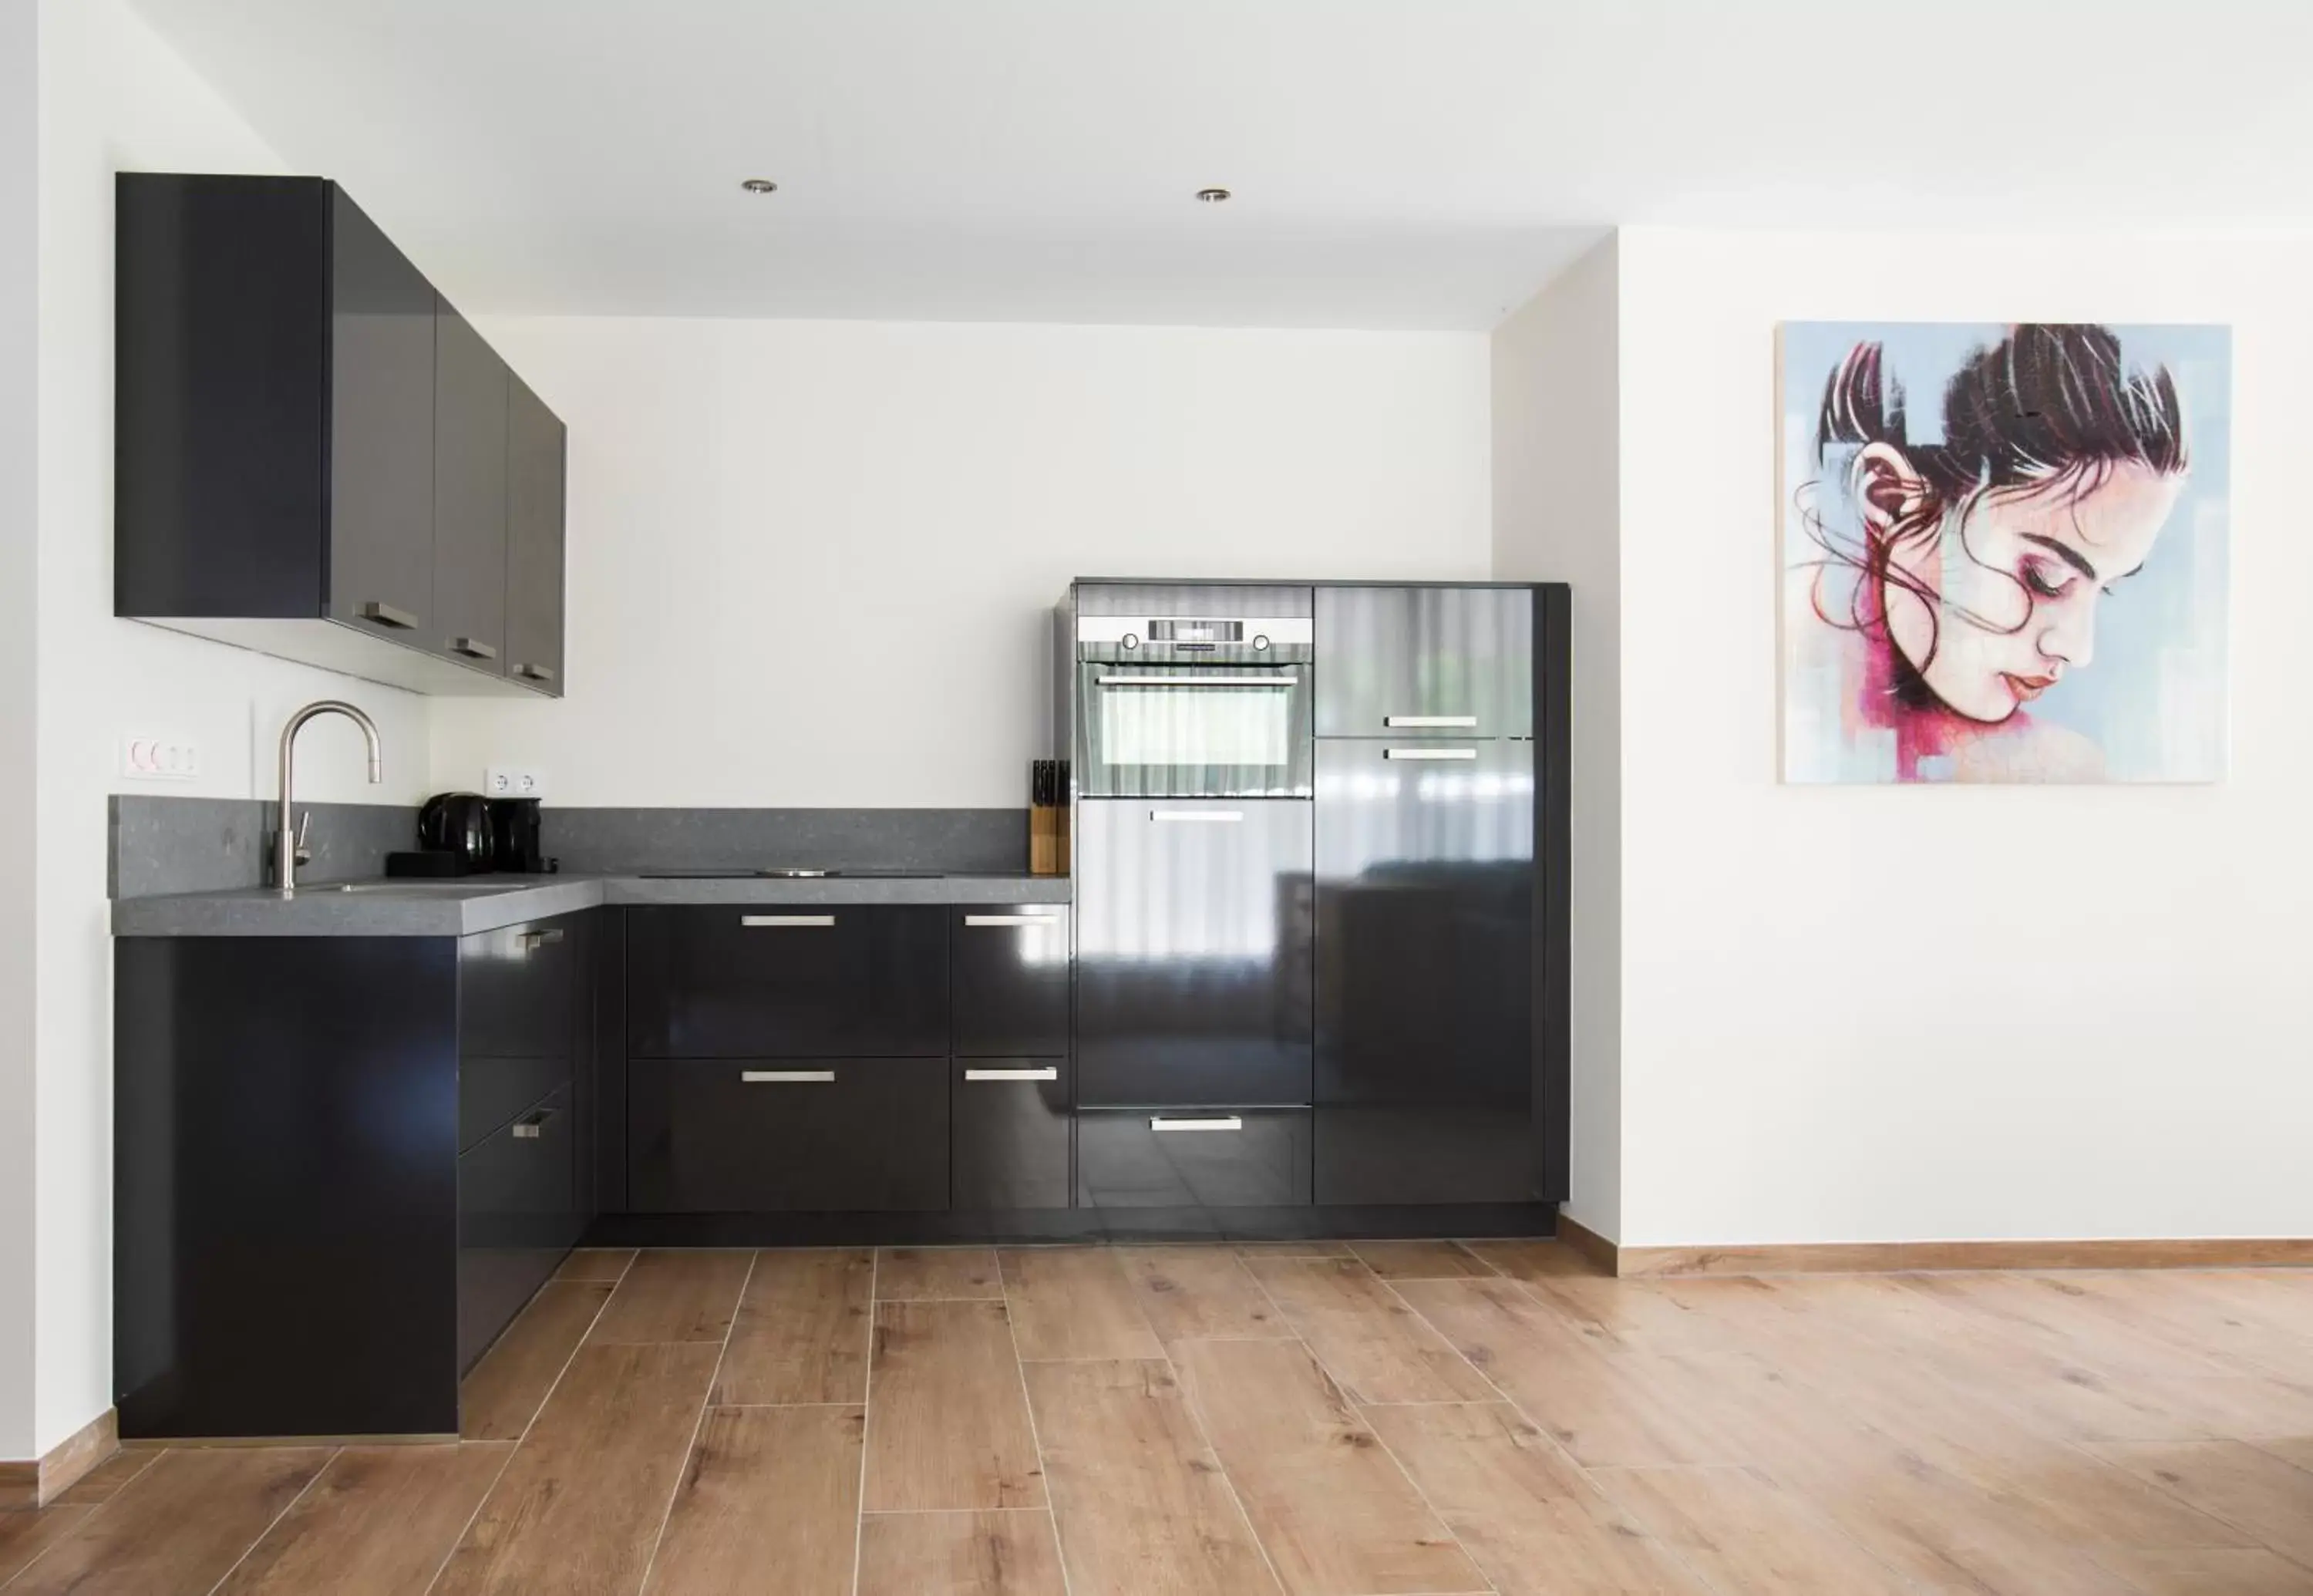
(790, 873)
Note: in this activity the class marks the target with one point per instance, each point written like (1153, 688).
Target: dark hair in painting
(2048, 409)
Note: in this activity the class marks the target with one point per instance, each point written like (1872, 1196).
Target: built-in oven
(1188, 706)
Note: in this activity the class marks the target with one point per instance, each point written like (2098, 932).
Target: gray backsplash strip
(965, 842)
(164, 845)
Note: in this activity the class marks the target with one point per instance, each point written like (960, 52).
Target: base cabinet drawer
(1193, 1158)
(787, 981)
(787, 1134)
(1011, 974)
(518, 986)
(517, 1216)
(1011, 1133)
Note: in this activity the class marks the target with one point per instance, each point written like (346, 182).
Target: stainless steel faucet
(289, 843)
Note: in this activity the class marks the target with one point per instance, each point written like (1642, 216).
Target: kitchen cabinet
(327, 1203)
(787, 1134)
(1011, 969)
(1424, 661)
(470, 496)
(315, 456)
(1184, 1159)
(536, 446)
(787, 981)
(1012, 1133)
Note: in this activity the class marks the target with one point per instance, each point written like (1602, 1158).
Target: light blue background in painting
(2154, 697)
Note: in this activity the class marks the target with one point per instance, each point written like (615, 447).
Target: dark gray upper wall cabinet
(315, 456)
(1425, 662)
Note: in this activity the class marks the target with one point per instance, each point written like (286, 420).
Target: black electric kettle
(458, 824)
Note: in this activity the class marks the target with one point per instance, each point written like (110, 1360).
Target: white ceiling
(1397, 162)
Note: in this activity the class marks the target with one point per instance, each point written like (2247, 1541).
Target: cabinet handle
(760, 921)
(1200, 681)
(1052, 918)
(386, 614)
(1205, 817)
(785, 1077)
(473, 648)
(534, 672)
(1049, 1072)
(1224, 1122)
(535, 939)
(1430, 753)
(527, 1129)
(1429, 720)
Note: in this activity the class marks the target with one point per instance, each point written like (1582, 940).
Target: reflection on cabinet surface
(1418, 662)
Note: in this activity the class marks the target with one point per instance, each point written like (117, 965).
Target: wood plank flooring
(1308, 1419)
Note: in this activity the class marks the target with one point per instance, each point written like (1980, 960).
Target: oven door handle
(1211, 680)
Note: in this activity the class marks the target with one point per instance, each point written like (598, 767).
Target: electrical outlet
(160, 759)
(512, 782)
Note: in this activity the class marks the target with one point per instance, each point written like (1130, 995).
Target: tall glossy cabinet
(315, 456)
(1427, 895)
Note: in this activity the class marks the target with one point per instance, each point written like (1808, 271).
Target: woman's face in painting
(2019, 575)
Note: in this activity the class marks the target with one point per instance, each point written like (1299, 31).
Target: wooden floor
(1398, 1416)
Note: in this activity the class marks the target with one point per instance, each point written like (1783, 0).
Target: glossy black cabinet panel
(535, 467)
(1426, 887)
(1217, 1158)
(1011, 1137)
(470, 497)
(492, 1090)
(779, 1134)
(221, 310)
(518, 988)
(1011, 968)
(382, 390)
(1419, 662)
(787, 981)
(517, 1214)
(286, 1185)
(1194, 966)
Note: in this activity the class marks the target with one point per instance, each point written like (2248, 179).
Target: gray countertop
(486, 903)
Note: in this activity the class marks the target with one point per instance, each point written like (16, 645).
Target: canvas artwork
(2004, 552)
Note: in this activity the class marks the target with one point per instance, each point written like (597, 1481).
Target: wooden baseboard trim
(42, 1480)
(1893, 1258)
(1587, 1241)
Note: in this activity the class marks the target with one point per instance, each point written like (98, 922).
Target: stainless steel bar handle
(785, 920)
(536, 939)
(1224, 1122)
(1430, 753)
(1203, 816)
(1049, 918)
(785, 1077)
(386, 614)
(1429, 720)
(526, 1129)
(1200, 681)
(534, 672)
(1049, 1072)
(473, 648)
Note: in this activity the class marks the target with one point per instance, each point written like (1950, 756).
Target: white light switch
(144, 758)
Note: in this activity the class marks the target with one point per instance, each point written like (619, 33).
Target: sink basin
(411, 888)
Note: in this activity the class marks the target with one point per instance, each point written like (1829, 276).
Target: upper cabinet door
(534, 591)
(470, 497)
(381, 545)
(1425, 662)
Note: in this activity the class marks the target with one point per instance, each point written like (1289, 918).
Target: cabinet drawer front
(1416, 662)
(517, 989)
(1193, 1158)
(787, 1134)
(492, 1090)
(786, 981)
(1011, 971)
(1011, 1137)
(517, 1216)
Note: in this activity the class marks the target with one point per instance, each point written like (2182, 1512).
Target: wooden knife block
(1047, 840)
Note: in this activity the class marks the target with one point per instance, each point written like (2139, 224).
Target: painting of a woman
(2020, 580)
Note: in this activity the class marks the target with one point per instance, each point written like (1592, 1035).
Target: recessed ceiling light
(1212, 196)
(759, 185)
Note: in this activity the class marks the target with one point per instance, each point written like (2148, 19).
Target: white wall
(112, 96)
(1557, 517)
(1908, 1013)
(19, 701)
(811, 563)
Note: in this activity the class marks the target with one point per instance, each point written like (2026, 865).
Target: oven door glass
(1194, 731)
